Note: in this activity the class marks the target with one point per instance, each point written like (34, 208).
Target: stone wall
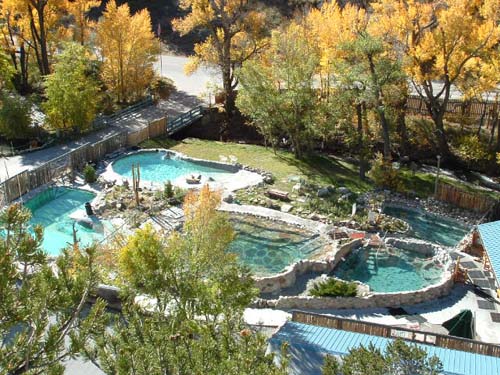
(271, 284)
(413, 244)
(372, 301)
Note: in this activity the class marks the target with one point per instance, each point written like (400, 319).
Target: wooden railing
(463, 199)
(184, 120)
(470, 109)
(374, 329)
(66, 164)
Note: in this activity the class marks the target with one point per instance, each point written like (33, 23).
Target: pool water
(430, 227)
(51, 209)
(393, 270)
(267, 247)
(162, 166)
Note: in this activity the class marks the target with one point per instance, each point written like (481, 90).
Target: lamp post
(437, 175)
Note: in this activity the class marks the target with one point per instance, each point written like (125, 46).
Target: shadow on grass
(324, 169)
(161, 142)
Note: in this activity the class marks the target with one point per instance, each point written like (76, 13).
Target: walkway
(179, 102)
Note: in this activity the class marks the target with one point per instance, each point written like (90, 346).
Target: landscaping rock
(286, 208)
(297, 188)
(229, 198)
(323, 192)
(343, 190)
(268, 179)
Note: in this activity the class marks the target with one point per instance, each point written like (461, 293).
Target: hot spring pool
(162, 166)
(51, 209)
(430, 227)
(267, 247)
(393, 270)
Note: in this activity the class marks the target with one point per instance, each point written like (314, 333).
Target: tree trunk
(359, 116)
(401, 126)
(379, 102)
(437, 111)
(43, 39)
(444, 149)
(227, 84)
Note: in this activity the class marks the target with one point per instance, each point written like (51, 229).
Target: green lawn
(322, 170)
(319, 169)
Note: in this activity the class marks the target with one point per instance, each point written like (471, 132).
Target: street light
(437, 175)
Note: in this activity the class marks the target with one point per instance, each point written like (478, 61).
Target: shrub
(384, 175)
(162, 87)
(15, 118)
(168, 190)
(334, 288)
(471, 149)
(89, 174)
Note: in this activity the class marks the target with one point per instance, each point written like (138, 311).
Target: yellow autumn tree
(127, 48)
(236, 31)
(331, 26)
(443, 43)
(82, 24)
(35, 24)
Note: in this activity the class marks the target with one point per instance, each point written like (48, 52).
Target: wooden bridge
(185, 119)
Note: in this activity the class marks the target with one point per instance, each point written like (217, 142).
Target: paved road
(185, 98)
(194, 84)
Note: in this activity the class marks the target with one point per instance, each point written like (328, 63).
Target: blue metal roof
(490, 236)
(304, 338)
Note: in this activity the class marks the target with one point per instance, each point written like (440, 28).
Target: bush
(471, 149)
(162, 87)
(334, 288)
(168, 190)
(15, 118)
(384, 175)
(89, 174)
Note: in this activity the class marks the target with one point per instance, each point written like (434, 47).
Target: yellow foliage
(236, 31)
(451, 41)
(128, 49)
(332, 26)
(82, 24)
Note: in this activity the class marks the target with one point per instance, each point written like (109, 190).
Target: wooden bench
(278, 194)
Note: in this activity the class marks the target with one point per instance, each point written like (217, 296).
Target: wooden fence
(66, 164)
(471, 109)
(463, 199)
(374, 329)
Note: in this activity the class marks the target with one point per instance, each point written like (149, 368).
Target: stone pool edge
(245, 177)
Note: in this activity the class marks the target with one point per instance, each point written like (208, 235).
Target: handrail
(376, 329)
(184, 119)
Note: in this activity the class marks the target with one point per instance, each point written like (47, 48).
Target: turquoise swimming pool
(430, 227)
(51, 209)
(160, 166)
(267, 247)
(392, 270)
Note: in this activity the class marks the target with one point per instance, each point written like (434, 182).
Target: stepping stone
(483, 283)
(485, 305)
(468, 264)
(476, 274)
(416, 318)
(495, 317)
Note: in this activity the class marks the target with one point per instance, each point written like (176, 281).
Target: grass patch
(334, 288)
(423, 184)
(317, 169)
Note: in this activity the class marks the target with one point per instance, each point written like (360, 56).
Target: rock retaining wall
(413, 244)
(372, 301)
(271, 284)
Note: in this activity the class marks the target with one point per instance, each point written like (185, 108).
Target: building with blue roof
(489, 237)
(308, 344)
